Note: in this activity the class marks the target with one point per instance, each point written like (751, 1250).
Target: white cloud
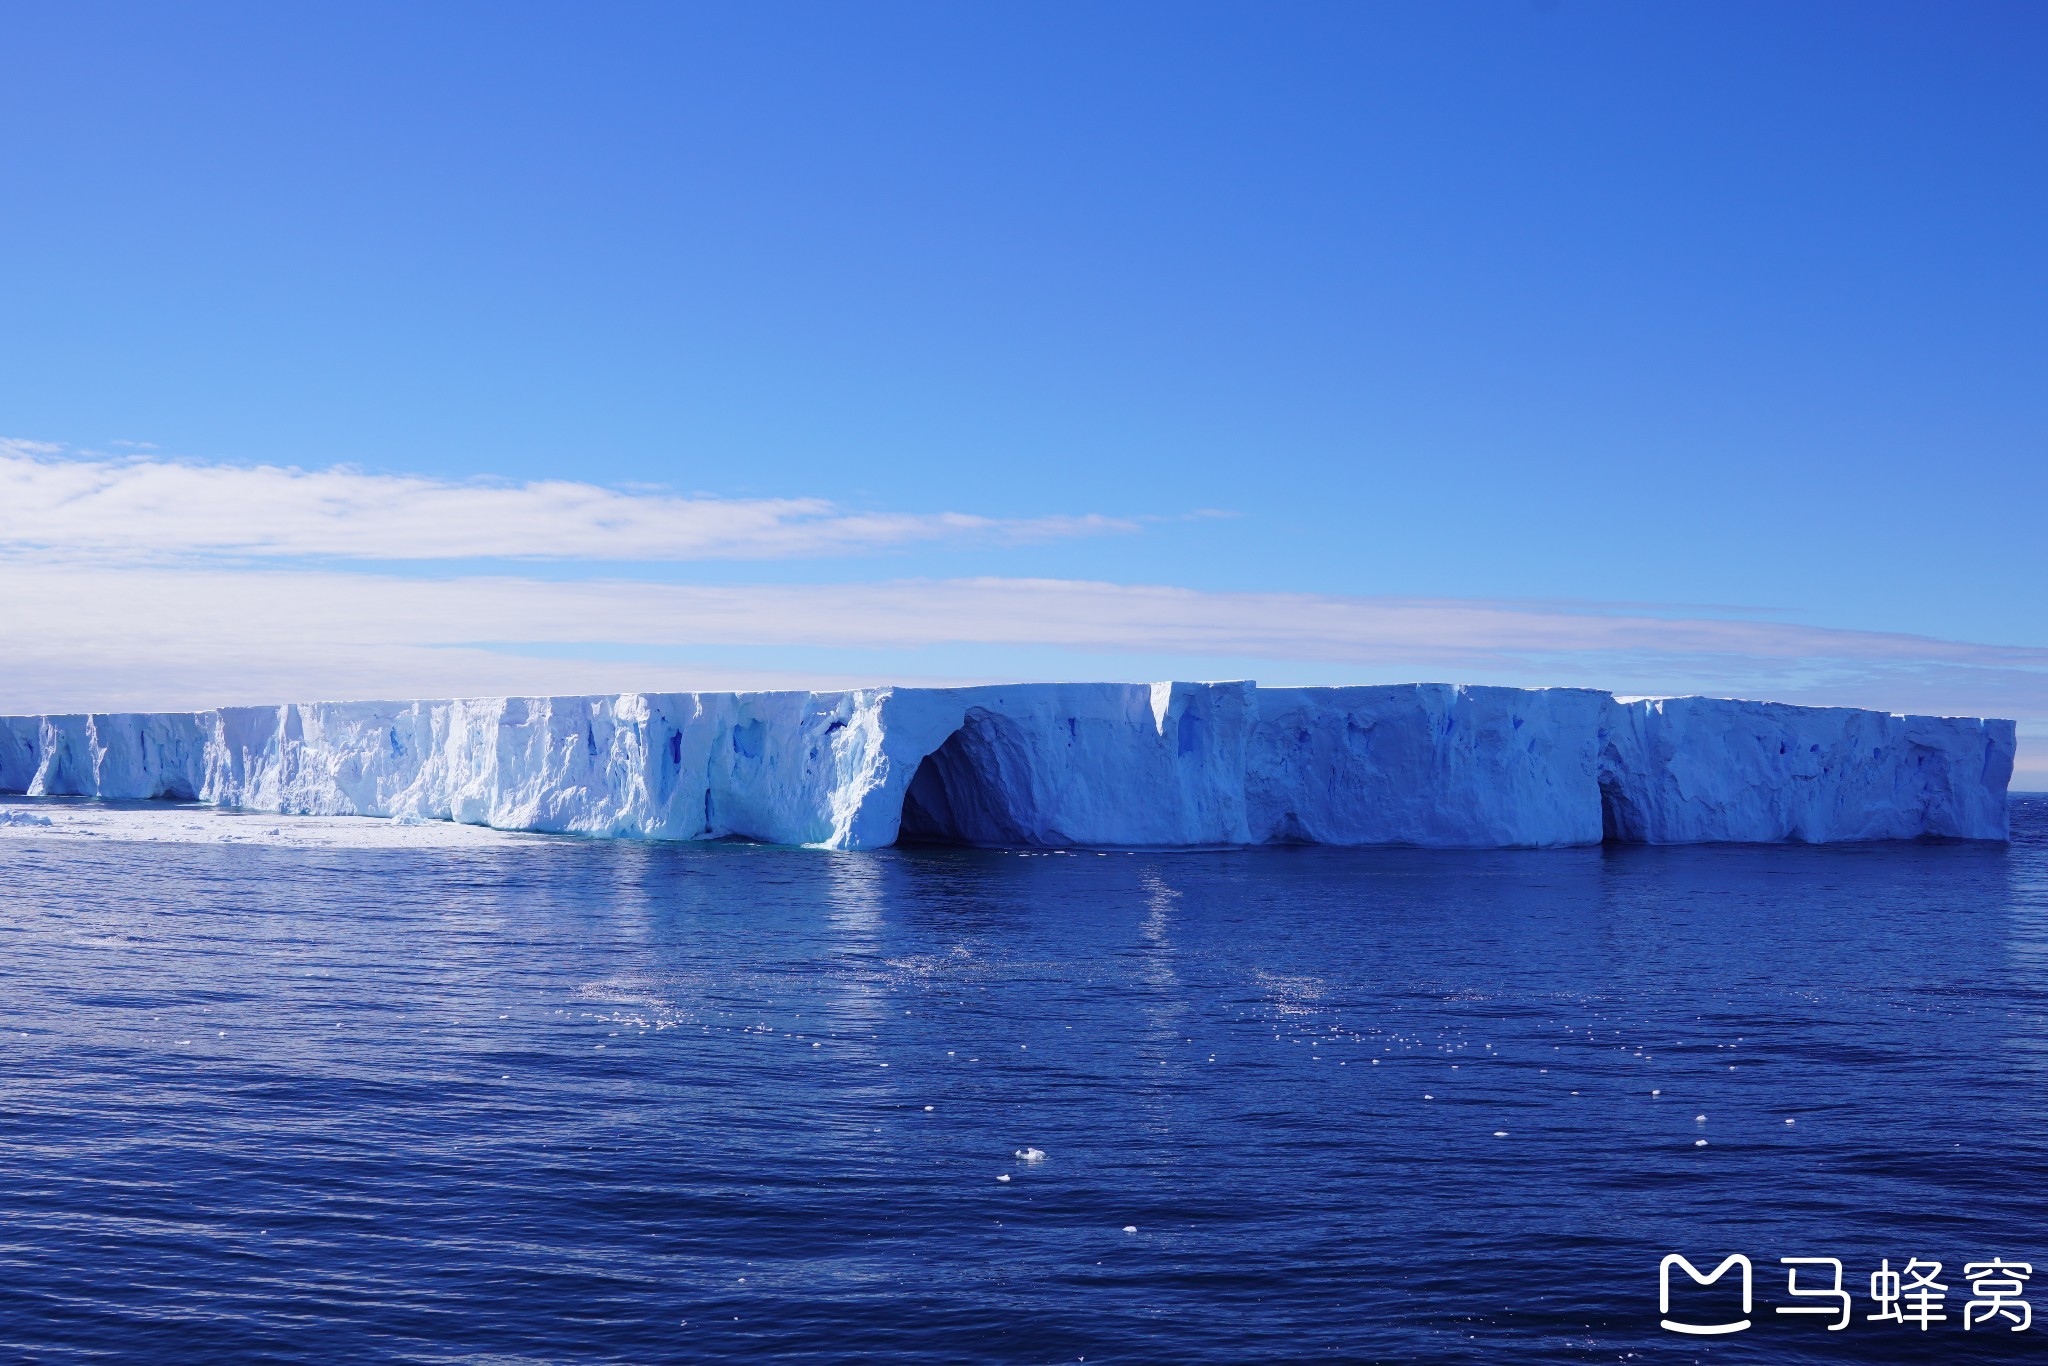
(147, 583)
(84, 508)
(85, 634)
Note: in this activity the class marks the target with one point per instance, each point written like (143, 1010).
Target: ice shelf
(1065, 765)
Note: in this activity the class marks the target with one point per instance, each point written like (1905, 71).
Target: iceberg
(1065, 765)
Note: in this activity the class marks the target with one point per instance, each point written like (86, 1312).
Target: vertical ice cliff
(1056, 764)
(1688, 770)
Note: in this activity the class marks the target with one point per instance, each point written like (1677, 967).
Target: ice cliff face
(1170, 765)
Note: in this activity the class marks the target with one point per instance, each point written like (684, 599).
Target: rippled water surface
(557, 1100)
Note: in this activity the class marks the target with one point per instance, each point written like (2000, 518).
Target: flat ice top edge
(893, 689)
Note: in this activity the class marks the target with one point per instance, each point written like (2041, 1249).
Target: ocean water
(501, 1099)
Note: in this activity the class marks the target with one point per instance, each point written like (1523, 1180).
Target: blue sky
(1674, 347)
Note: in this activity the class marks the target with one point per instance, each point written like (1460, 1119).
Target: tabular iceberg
(1065, 765)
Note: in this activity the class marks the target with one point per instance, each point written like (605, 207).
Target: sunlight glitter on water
(551, 1098)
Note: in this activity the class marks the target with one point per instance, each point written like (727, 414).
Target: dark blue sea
(557, 1100)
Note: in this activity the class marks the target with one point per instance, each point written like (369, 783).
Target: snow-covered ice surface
(1055, 764)
(64, 819)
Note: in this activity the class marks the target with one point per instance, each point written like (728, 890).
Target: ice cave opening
(975, 789)
(1621, 819)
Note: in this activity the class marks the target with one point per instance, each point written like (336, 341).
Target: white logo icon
(1702, 1329)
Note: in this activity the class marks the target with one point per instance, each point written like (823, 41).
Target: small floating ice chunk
(1699, 1143)
(1130, 1228)
(1500, 1133)
(1004, 1177)
(1699, 1119)
(1031, 1154)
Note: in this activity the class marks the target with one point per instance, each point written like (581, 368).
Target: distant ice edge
(1065, 765)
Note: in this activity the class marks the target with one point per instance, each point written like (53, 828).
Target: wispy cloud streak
(84, 508)
(194, 622)
(149, 583)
